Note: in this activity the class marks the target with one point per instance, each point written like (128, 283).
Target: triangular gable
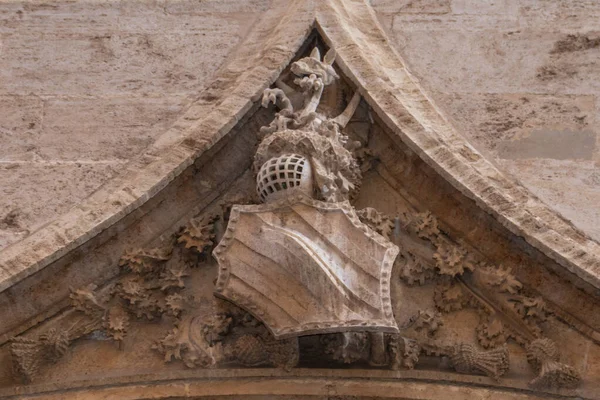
(201, 166)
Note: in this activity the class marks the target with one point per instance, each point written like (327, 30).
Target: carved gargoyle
(305, 132)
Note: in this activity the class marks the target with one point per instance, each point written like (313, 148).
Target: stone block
(190, 7)
(104, 129)
(571, 65)
(411, 6)
(498, 7)
(19, 127)
(566, 16)
(568, 186)
(462, 60)
(90, 65)
(32, 194)
(498, 122)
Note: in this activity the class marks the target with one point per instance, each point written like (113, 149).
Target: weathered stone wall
(519, 78)
(86, 86)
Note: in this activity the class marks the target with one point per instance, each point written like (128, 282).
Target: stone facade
(518, 78)
(498, 94)
(386, 243)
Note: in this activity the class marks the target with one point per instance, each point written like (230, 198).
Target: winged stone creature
(312, 75)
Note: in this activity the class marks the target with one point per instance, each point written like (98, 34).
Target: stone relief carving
(225, 337)
(306, 263)
(544, 357)
(305, 132)
(303, 263)
(303, 266)
(149, 288)
(467, 359)
(463, 279)
(29, 355)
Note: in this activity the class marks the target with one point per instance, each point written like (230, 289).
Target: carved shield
(303, 266)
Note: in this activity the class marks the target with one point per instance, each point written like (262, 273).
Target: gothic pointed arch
(312, 211)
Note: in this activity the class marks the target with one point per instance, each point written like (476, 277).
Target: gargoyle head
(313, 65)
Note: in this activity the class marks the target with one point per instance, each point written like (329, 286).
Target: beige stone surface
(94, 82)
(306, 384)
(519, 78)
(305, 266)
(392, 93)
(86, 86)
(421, 159)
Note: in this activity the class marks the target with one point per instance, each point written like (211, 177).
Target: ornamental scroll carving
(304, 275)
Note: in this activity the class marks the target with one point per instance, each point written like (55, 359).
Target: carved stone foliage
(464, 279)
(150, 286)
(229, 336)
